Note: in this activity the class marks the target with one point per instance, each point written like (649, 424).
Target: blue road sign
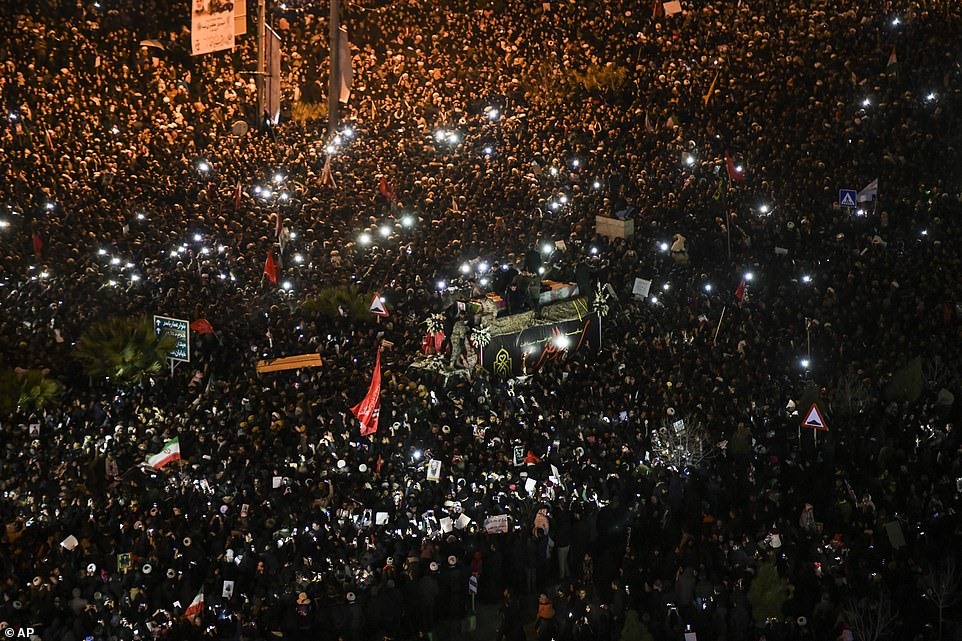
(848, 198)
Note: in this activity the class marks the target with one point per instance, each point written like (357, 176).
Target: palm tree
(26, 389)
(125, 351)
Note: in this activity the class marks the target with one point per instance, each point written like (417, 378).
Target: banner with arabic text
(211, 26)
(526, 351)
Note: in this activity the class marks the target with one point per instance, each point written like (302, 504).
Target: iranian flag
(171, 452)
(196, 606)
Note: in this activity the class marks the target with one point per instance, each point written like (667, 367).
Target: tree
(682, 445)
(125, 351)
(937, 373)
(767, 594)
(852, 394)
(634, 629)
(27, 389)
(334, 302)
(599, 78)
(940, 584)
(871, 619)
(905, 385)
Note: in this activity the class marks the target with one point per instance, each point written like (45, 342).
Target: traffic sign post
(813, 420)
(180, 330)
(377, 306)
(848, 198)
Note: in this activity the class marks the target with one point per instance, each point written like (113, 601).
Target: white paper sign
(447, 524)
(496, 524)
(556, 476)
(530, 485)
(228, 590)
(641, 288)
(463, 521)
(380, 518)
(276, 483)
(70, 542)
(434, 470)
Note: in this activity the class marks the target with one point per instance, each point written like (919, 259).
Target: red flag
(368, 410)
(37, 243)
(377, 468)
(740, 292)
(48, 138)
(238, 194)
(734, 173)
(386, 190)
(202, 326)
(279, 225)
(270, 267)
(657, 9)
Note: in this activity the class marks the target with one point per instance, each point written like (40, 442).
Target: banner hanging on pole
(272, 79)
(211, 26)
(345, 70)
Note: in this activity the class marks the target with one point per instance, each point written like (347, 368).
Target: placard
(641, 288)
(673, 7)
(211, 26)
(496, 524)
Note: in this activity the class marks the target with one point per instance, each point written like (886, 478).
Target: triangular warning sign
(847, 200)
(814, 420)
(377, 306)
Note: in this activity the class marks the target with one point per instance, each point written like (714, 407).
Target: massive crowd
(118, 170)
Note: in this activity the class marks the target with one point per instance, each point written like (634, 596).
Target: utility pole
(334, 87)
(261, 71)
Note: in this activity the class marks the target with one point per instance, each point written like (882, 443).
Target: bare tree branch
(871, 619)
(682, 445)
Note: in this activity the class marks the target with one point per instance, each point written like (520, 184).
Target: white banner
(346, 69)
(211, 26)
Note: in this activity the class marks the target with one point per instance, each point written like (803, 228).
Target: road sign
(377, 306)
(848, 198)
(814, 420)
(179, 329)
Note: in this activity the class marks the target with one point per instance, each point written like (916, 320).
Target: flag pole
(728, 232)
(718, 329)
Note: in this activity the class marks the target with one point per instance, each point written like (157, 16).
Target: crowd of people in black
(476, 132)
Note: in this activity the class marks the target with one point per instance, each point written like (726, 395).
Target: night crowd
(477, 133)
